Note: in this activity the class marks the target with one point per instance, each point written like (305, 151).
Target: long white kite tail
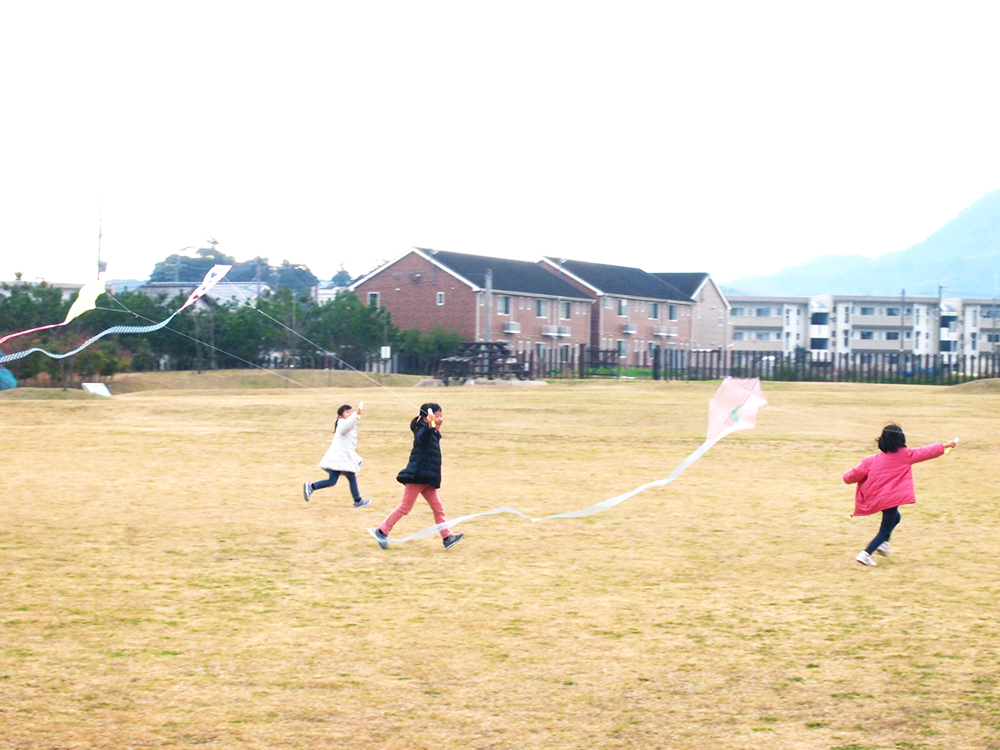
(733, 407)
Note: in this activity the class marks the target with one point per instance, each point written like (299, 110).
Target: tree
(296, 277)
(30, 306)
(350, 329)
(342, 278)
(181, 268)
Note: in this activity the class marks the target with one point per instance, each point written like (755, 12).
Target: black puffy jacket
(424, 466)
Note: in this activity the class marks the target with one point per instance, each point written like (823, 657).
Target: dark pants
(890, 518)
(352, 478)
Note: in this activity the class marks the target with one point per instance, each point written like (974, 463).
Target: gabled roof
(621, 281)
(513, 276)
(687, 284)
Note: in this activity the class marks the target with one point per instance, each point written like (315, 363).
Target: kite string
(827, 418)
(275, 373)
(319, 347)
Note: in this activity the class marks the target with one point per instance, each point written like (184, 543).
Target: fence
(857, 367)
(854, 367)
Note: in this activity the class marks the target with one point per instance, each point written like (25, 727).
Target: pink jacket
(885, 480)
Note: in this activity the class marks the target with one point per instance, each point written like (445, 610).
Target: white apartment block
(768, 324)
(831, 325)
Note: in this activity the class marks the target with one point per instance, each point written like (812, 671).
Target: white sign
(99, 388)
(386, 352)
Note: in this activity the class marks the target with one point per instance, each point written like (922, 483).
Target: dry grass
(164, 584)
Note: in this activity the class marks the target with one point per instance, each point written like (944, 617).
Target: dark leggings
(890, 518)
(334, 476)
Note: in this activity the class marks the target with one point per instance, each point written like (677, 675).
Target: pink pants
(410, 492)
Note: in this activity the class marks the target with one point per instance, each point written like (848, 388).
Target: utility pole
(940, 290)
(902, 320)
(489, 302)
(101, 265)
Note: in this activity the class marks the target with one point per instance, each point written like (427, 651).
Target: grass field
(163, 584)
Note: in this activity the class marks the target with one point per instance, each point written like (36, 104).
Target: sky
(725, 137)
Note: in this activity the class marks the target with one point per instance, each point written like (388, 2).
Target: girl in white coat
(342, 458)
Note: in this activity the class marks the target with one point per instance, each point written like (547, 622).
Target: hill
(963, 257)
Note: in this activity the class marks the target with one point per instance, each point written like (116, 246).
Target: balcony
(511, 327)
(628, 328)
(665, 331)
(557, 331)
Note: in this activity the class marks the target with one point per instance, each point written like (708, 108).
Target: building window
(892, 312)
(737, 312)
(847, 315)
(867, 310)
(373, 300)
(763, 312)
(565, 310)
(737, 335)
(503, 305)
(892, 335)
(847, 336)
(722, 318)
(866, 335)
(607, 303)
(672, 312)
(623, 308)
(541, 308)
(993, 338)
(654, 310)
(622, 348)
(761, 335)
(440, 298)
(820, 319)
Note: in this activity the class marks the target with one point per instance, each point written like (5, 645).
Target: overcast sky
(731, 137)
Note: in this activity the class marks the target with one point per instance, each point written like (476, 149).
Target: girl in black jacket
(422, 476)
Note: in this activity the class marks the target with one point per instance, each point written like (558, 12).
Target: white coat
(342, 455)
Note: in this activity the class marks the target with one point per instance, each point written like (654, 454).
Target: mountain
(963, 256)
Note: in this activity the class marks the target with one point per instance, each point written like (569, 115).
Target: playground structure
(491, 360)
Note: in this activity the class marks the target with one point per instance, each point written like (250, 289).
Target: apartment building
(776, 325)
(829, 325)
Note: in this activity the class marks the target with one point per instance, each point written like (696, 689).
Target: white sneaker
(883, 549)
(865, 559)
(307, 491)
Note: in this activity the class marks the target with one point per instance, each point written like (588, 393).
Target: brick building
(482, 299)
(710, 317)
(634, 311)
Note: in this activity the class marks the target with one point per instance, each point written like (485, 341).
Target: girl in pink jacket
(885, 481)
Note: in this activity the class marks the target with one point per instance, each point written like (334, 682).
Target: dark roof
(516, 276)
(621, 281)
(686, 283)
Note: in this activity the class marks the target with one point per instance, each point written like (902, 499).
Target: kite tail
(88, 342)
(601, 506)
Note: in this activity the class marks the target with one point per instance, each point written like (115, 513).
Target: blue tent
(7, 379)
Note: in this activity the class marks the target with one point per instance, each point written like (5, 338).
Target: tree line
(283, 329)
